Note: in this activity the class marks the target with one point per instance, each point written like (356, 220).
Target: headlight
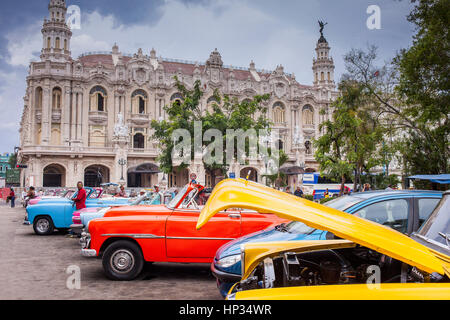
(229, 261)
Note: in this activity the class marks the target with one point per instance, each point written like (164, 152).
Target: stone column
(121, 151)
(79, 115)
(65, 116)
(73, 123)
(45, 123)
(85, 120)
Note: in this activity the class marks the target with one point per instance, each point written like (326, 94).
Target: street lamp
(122, 162)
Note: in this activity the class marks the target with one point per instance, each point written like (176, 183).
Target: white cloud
(241, 31)
(12, 90)
(23, 43)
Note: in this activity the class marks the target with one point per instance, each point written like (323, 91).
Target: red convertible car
(126, 237)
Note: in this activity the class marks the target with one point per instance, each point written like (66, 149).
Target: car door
(394, 213)
(183, 240)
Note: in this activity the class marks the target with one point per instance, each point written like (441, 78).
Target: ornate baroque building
(88, 119)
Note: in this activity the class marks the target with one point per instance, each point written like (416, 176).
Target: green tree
(412, 92)
(351, 139)
(228, 113)
(424, 85)
(12, 161)
(278, 179)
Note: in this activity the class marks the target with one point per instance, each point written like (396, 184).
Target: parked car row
(257, 238)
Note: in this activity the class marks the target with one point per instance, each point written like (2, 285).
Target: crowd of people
(80, 200)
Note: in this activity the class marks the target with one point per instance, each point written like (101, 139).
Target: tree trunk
(341, 192)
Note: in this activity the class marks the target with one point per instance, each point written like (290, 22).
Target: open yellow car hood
(239, 193)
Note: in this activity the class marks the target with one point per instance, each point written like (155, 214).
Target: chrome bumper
(88, 253)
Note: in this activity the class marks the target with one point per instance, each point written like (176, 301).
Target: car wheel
(43, 226)
(123, 261)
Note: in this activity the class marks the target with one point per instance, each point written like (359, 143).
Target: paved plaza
(34, 267)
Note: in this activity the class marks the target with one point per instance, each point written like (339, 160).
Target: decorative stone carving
(120, 129)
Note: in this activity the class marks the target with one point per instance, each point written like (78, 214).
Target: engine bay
(356, 265)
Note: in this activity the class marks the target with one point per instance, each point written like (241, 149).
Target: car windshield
(436, 231)
(95, 193)
(139, 200)
(69, 194)
(342, 203)
(172, 204)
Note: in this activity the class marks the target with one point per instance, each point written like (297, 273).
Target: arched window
(56, 98)
(308, 115)
(65, 44)
(38, 98)
(176, 99)
(49, 42)
(139, 100)
(176, 96)
(210, 104)
(54, 176)
(138, 141)
(280, 145)
(278, 113)
(322, 76)
(58, 43)
(98, 99)
(308, 147)
(329, 76)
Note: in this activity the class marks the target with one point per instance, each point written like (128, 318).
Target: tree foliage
(424, 86)
(352, 137)
(228, 113)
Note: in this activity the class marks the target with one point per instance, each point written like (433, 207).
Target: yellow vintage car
(360, 260)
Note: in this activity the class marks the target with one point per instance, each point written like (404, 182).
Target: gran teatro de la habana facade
(89, 118)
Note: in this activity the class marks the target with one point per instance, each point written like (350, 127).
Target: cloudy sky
(270, 32)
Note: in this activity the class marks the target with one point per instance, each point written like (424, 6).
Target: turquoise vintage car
(56, 213)
(82, 217)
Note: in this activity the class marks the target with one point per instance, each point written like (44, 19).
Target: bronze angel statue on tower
(322, 25)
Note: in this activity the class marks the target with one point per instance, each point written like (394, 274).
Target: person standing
(298, 192)
(161, 196)
(326, 194)
(12, 196)
(80, 200)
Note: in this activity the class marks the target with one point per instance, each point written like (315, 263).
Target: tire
(122, 261)
(43, 226)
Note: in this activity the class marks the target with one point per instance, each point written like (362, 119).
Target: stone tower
(56, 33)
(323, 65)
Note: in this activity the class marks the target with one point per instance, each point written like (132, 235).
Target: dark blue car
(404, 211)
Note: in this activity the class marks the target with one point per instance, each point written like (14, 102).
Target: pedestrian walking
(12, 196)
(326, 194)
